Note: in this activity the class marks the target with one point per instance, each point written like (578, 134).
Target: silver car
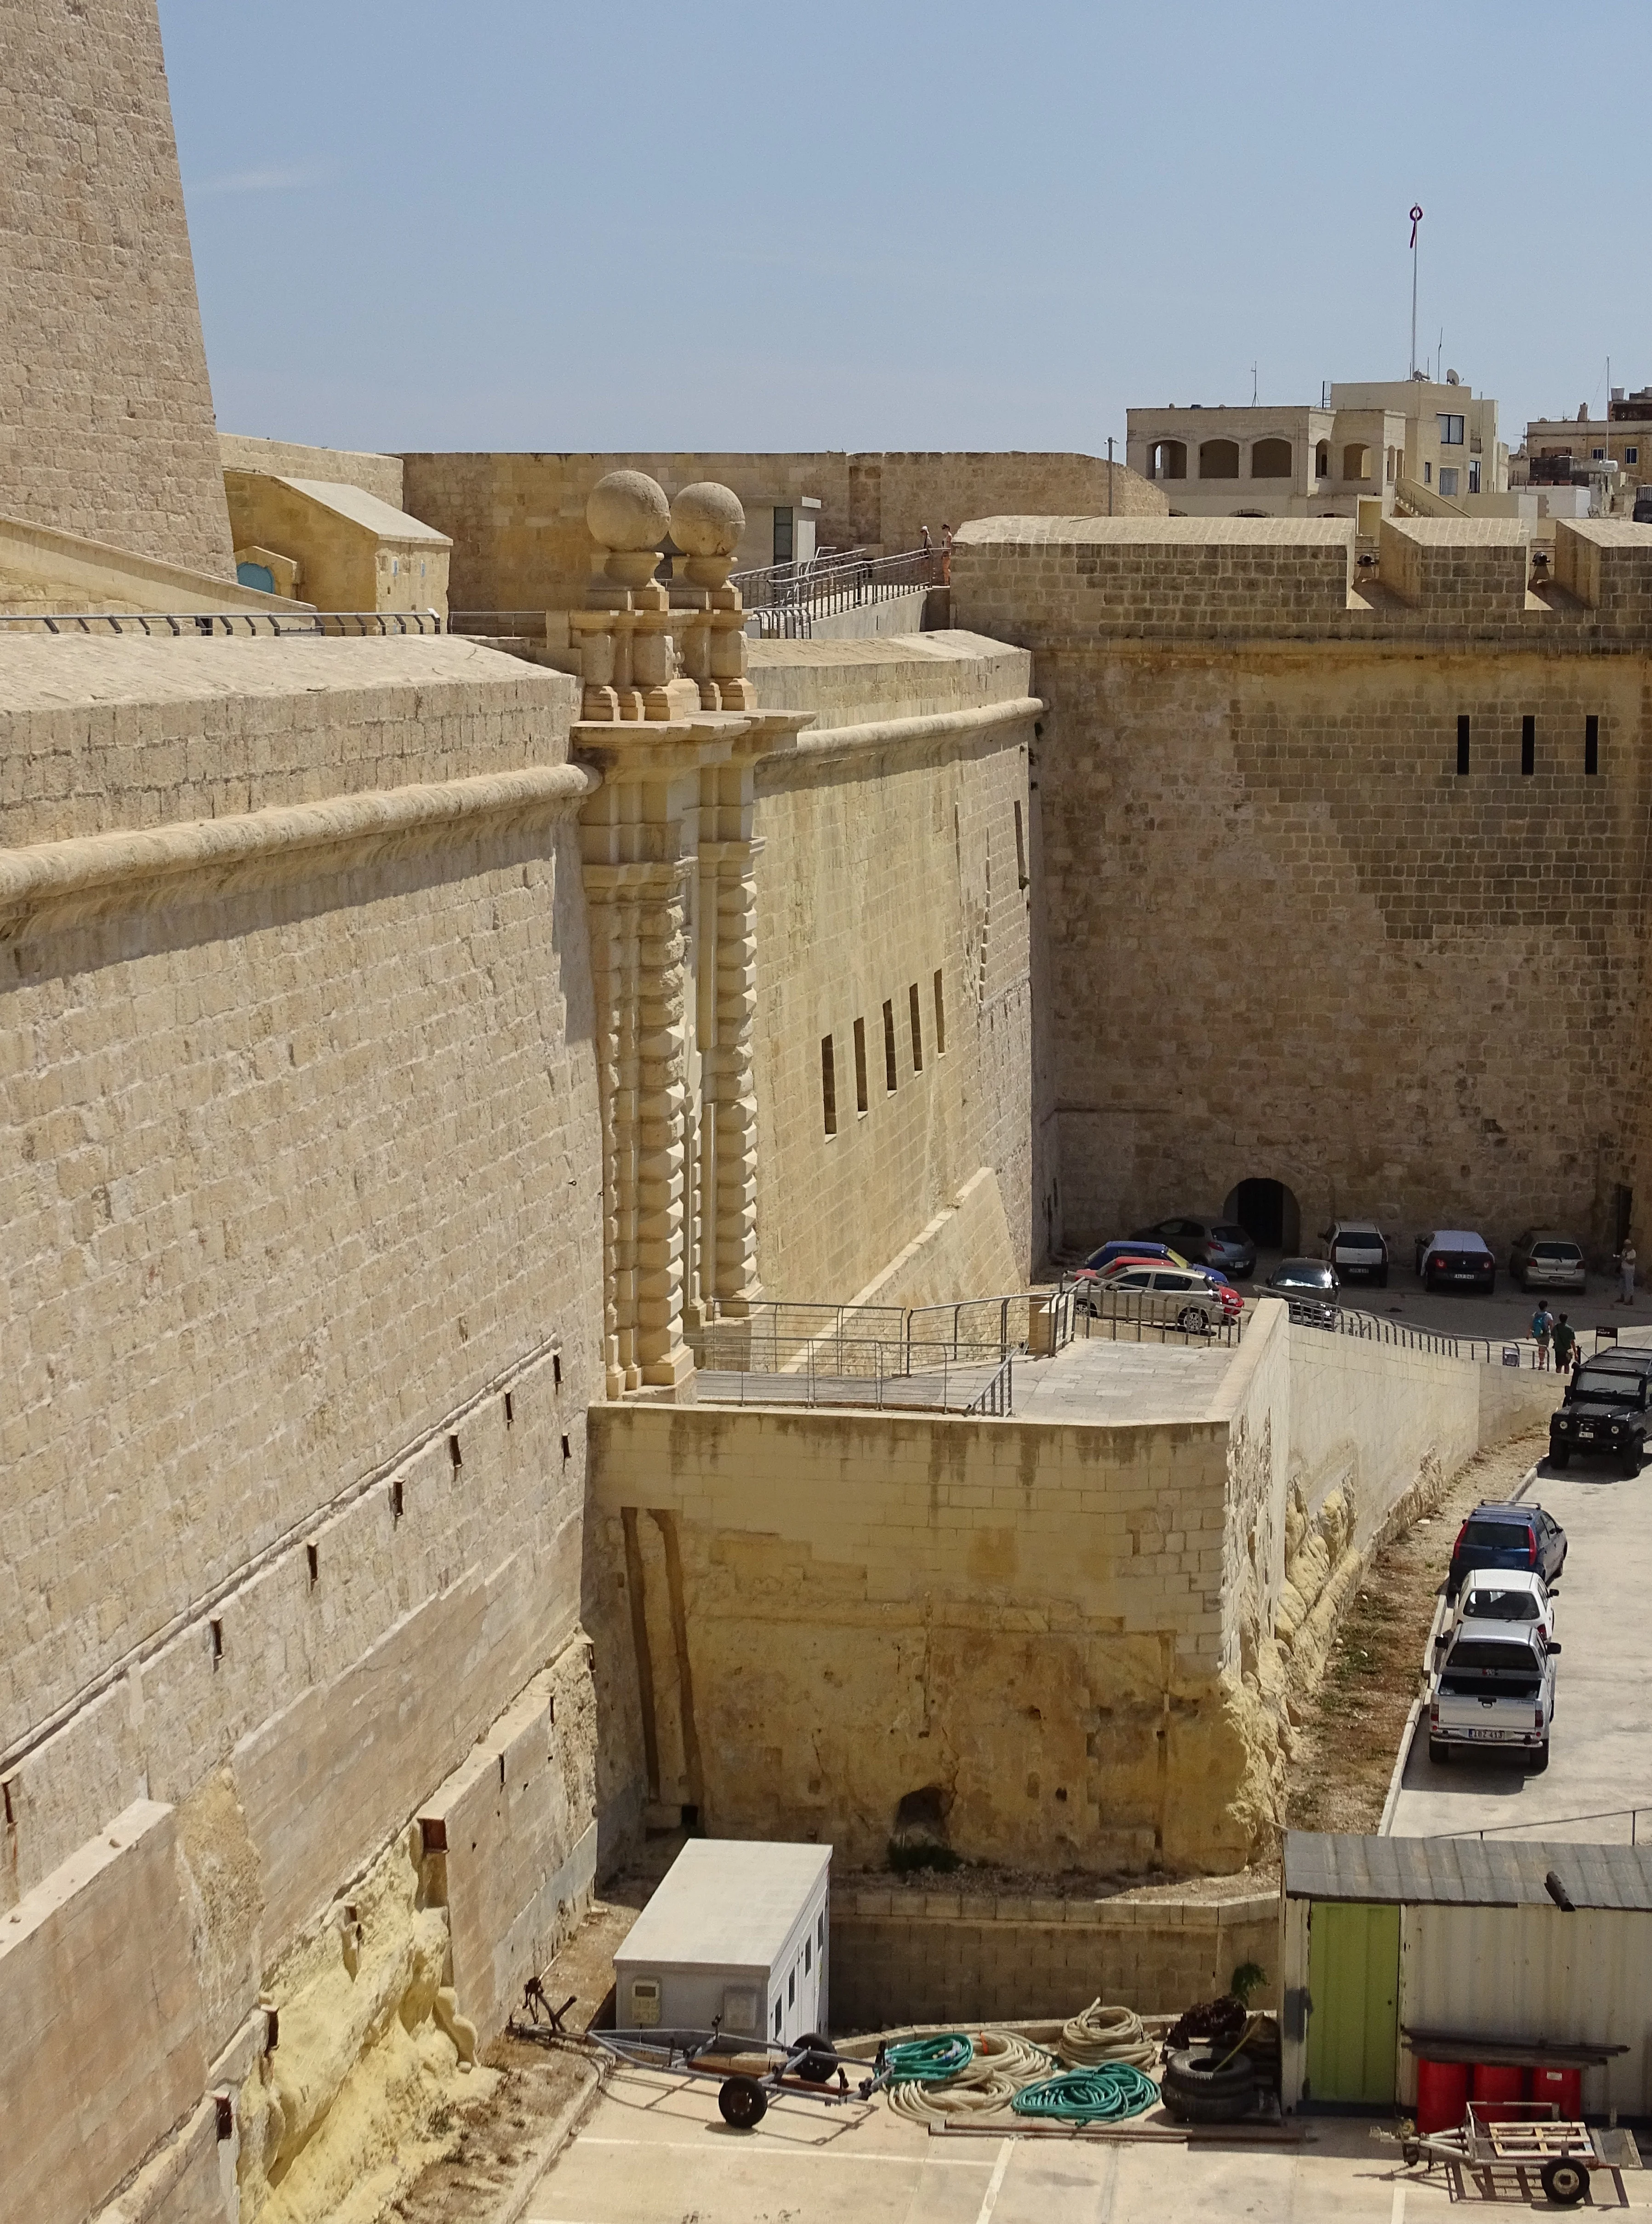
(1542, 1259)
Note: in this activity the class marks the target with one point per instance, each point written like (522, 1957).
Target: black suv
(1499, 1535)
(1606, 1410)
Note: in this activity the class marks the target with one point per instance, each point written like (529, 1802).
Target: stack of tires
(1208, 2083)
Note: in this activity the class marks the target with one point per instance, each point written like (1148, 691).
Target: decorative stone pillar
(627, 661)
(707, 521)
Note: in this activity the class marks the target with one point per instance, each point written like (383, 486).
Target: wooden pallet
(1537, 2142)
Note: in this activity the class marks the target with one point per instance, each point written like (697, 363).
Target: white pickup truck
(1494, 1690)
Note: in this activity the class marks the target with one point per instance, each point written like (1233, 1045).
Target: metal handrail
(192, 625)
(783, 600)
(997, 1399)
(1530, 1829)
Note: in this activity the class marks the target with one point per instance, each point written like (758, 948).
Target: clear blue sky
(516, 225)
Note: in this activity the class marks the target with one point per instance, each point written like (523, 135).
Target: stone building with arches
(1365, 443)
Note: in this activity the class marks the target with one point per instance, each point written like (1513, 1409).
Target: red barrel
(1442, 2096)
(1494, 2082)
(1564, 2087)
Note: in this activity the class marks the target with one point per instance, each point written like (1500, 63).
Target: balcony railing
(784, 601)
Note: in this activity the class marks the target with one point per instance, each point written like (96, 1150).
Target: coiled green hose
(923, 2061)
(1085, 2096)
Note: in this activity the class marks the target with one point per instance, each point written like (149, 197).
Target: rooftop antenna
(1253, 386)
(1416, 219)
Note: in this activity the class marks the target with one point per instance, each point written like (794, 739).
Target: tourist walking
(1542, 1327)
(1625, 1275)
(1566, 1344)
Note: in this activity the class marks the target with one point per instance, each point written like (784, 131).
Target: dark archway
(1269, 1214)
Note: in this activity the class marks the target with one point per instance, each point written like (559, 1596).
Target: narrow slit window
(890, 1076)
(916, 1013)
(455, 1457)
(216, 1628)
(1592, 745)
(312, 1556)
(940, 1016)
(396, 1501)
(859, 1065)
(1462, 743)
(1528, 745)
(828, 1086)
(1021, 849)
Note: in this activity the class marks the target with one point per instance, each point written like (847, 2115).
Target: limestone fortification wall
(296, 459)
(1288, 940)
(888, 879)
(518, 520)
(301, 1298)
(105, 409)
(1087, 1636)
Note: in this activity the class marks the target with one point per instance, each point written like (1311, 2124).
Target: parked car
(1126, 1247)
(1456, 1258)
(1355, 1246)
(1495, 1688)
(1498, 1534)
(1207, 1243)
(1309, 1288)
(1604, 1409)
(1513, 1595)
(1543, 1259)
(1186, 1295)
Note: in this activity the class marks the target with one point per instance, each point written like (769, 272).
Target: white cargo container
(736, 1934)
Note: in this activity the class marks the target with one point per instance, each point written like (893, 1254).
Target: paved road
(1601, 1744)
(1507, 1313)
(655, 2151)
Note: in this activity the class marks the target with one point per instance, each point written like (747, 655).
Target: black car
(1220, 1243)
(1456, 1259)
(1606, 1410)
(1498, 1535)
(1309, 1288)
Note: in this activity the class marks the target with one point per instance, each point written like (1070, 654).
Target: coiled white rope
(1004, 2061)
(1106, 2035)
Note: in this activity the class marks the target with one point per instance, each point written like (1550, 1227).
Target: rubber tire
(1440, 1753)
(1379, 1280)
(1196, 2107)
(819, 2066)
(1192, 1319)
(1559, 1457)
(1564, 2181)
(1492, 1287)
(1632, 1461)
(1192, 2069)
(742, 2102)
(1536, 1767)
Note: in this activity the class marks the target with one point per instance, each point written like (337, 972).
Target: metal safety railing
(863, 1371)
(1527, 1828)
(1140, 1317)
(192, 625)
(783, 600)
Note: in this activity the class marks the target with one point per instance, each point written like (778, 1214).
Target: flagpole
(1416, 219)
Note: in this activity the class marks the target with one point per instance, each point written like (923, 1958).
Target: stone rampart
(518, 520)
(890, 898)
(1081, 1637)
(295, 459)
(105, 409)
(1291, 940)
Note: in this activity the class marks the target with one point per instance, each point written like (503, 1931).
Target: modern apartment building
(1373, 440)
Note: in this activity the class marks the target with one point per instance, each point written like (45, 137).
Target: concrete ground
(1506, 1314)
(654, 2151)
(1095, 1379)
(1600, 1762)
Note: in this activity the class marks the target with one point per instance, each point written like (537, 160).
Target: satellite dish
(1452, 379)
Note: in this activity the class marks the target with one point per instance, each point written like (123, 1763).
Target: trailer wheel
(1565, 2181)
(815, 2066)
(742, 2102)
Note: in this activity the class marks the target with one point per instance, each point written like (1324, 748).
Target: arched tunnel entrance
(1269, 1214)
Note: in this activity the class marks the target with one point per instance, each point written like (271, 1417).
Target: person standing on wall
(1625, 1275)
(1565, 1345)
(1542, 1327)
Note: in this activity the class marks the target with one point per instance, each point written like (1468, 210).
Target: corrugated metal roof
(1464, 1872)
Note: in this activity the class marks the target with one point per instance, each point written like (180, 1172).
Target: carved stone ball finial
(707, 520)
(627, 512)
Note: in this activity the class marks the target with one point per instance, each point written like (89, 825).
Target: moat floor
(654, 2151)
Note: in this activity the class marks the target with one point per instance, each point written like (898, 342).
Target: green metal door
(1353, 1982)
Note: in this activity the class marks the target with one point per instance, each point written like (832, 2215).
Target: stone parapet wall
(293, 459)
(947, 1957)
